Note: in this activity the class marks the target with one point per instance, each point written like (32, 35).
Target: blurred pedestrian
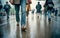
(1, 6)
(38, 7)
(56, 12)
(17, 4)
(2, 14)
(28, 6)
(48, 5)
(7, 8)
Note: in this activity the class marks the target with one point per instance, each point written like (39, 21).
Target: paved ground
(37, 27)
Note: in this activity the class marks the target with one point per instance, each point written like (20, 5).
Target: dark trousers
(7, 12)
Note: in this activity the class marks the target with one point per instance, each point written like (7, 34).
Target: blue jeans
(23, 12)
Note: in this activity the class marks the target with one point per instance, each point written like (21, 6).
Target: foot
(17, 24)
(23, 28)
(49, 20)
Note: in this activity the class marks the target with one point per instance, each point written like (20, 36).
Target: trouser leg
(17, 7)
(23, 12)
(7, 15)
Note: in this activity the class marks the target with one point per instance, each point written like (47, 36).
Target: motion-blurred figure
(28, 7)
(48, 8)
(7, 9)
(0, 11)
(1, 6)
(56, 12)
(38, 7)
(17, 4)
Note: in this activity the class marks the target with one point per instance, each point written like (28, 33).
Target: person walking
(17, 4)
(48, 5)
(7, 8)
(38, 7)
(48, 8)
(28, 7)
(56, 11)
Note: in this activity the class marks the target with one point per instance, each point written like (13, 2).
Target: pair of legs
(23, 12)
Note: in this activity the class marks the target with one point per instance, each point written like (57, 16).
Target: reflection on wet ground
(37, 27)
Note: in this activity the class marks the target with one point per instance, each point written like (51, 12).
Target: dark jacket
(47, 5)
(7, 7)
(38, 7)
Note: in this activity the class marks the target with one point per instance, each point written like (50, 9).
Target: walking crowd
(25, 8)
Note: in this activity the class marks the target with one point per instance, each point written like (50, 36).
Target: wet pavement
(37, 27)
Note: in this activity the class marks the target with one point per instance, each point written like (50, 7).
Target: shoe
(17, 24)
(49, 19)
(23, 28)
